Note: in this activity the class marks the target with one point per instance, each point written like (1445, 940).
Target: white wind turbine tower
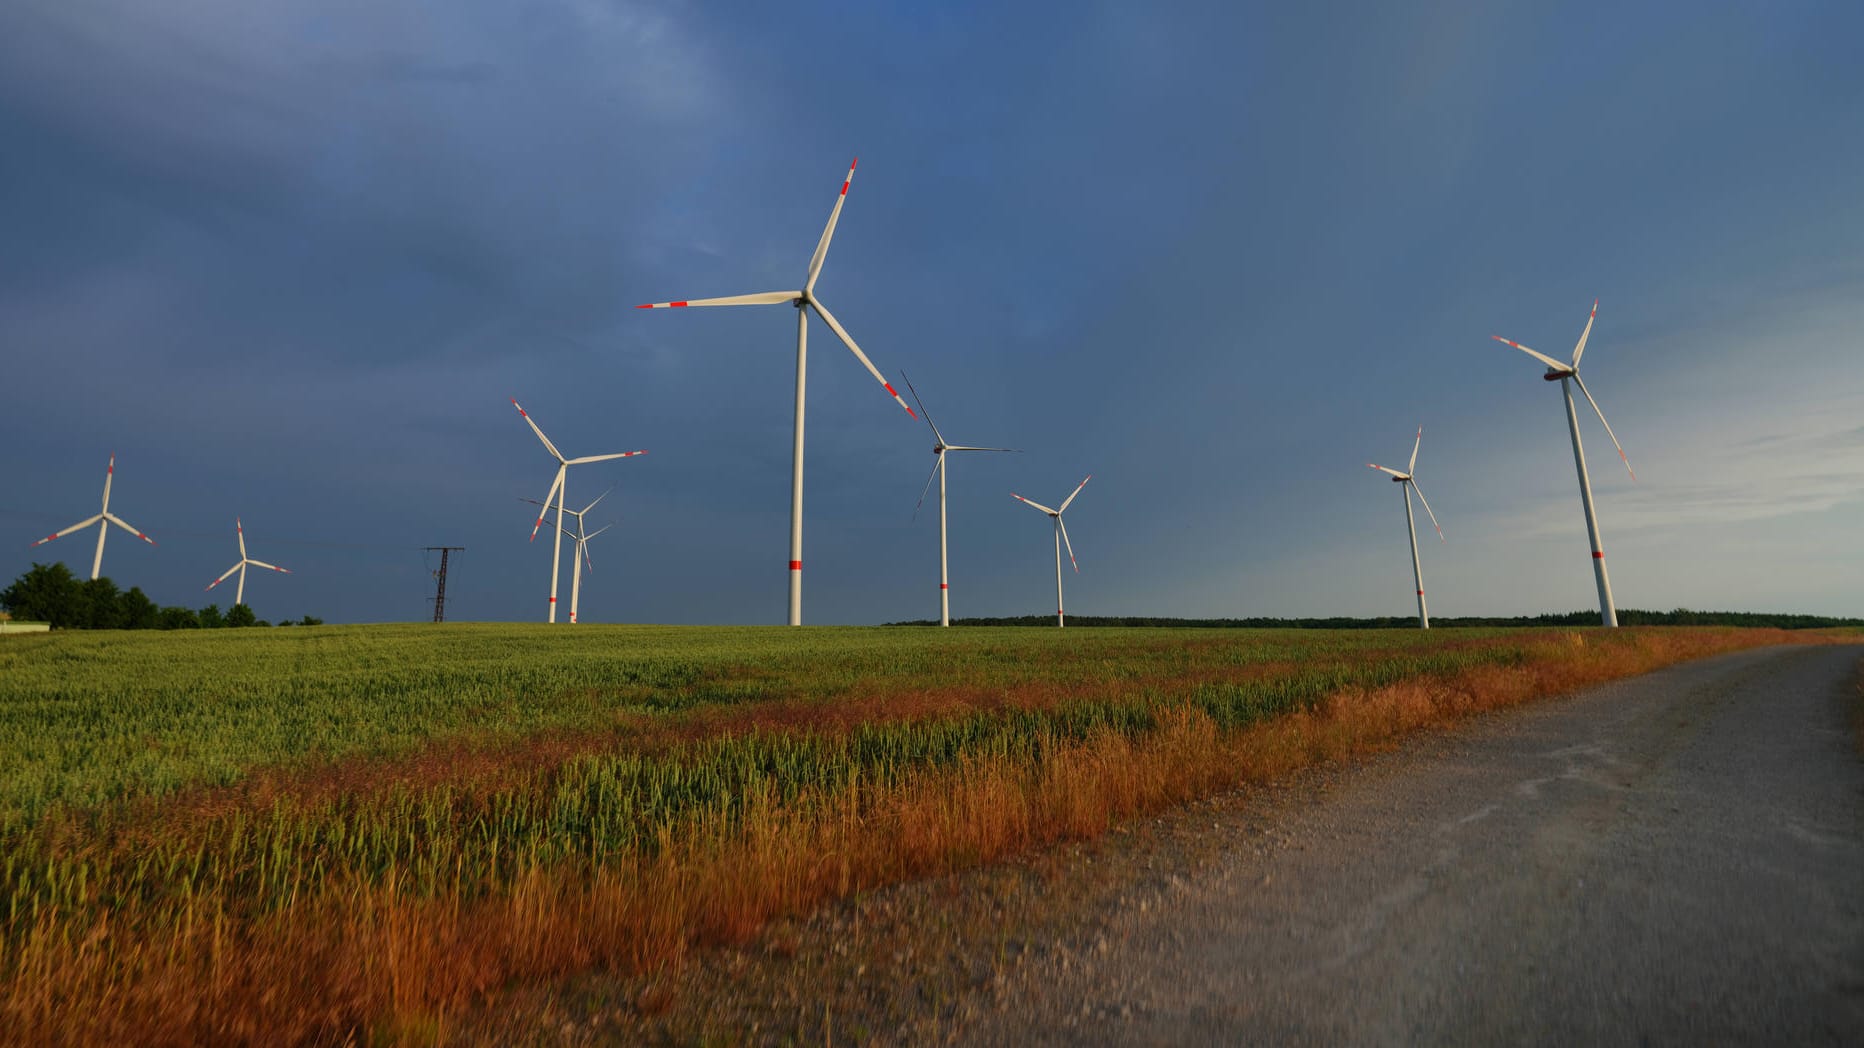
(804, 300)
(557, 492)
(239, 596)
(103, 520)
(1608, 613)
(939, 448)
(1061, 536)
(1409, 484)
(581, 554)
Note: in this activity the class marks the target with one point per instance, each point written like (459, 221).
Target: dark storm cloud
(292, 259)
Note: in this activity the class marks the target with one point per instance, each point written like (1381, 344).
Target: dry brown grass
(368, 960)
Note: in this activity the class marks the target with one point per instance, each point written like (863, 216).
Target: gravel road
(1673, 859)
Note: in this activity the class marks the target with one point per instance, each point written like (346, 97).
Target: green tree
(309, 621)
(102, 610)
(136, 610)
(240, 615)
(173, 618)
(47, 593)
(210, 617)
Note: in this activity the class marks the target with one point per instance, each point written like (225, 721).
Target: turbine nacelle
(1554, 375)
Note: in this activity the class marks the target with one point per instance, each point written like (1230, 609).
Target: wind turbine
(581, 555)
(939, 448)
(804, 300)
(103, 520)
(557, 492)
(1061, 536)
(1410, 523)
(1608, 613)
(239, 596)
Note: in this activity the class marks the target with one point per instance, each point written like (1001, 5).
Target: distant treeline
(1626, 617)
(51, 593)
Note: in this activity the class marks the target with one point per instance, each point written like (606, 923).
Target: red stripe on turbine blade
(676, 304)
(844, 189)
(1420, 593)
(553, 600)
(943, 585)
(1597, 555)
(796, 565)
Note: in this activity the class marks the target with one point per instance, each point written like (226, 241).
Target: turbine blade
(109, 475)
(591, 505)
(966, 447)
(1580, 349)
(601, 458)
(762, 298)
(597, 531)
(842, 333)
(1542, 357)
(551, 494)
(1386, 469)
(121, 523)
(1077, 491)
(1065, 542)
(239, 528)
(938, 460)
(927, 415)
(1426, 502)
(224, 575)
(828, 231)
(1608, 426)
(61, 534)
(1030, 502)
(263, 564)
(540, 433)
(1412, 468)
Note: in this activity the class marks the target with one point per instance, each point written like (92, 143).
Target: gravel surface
(1675, 858)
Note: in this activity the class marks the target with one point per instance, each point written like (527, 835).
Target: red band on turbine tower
(553, 600)
(1597, 555)
(796, 565)
(944, 586)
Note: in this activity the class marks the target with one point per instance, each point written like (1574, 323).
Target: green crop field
(179, 811)
(88, 718)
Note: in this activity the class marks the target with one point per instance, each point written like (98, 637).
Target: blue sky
(290, 261)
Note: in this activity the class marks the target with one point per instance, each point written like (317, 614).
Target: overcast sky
(290, 261)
